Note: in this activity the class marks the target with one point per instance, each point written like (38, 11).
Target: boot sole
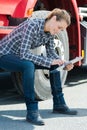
(67, 113)
(33, 122)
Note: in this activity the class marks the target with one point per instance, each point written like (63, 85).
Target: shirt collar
(42, 28)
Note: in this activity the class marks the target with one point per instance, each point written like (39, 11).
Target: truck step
(6, 29)
(83, 11)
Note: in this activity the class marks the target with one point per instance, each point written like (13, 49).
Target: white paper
(71, 61)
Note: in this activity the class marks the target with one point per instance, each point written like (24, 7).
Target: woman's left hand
(69, 67)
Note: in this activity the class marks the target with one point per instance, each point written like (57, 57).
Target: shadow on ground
(76, 76)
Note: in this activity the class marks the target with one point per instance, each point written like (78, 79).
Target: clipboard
(73, 61)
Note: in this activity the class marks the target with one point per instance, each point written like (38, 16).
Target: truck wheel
(42, 84)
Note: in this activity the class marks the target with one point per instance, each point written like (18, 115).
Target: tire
(42, 84)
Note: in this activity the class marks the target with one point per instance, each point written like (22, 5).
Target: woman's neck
(46, 26)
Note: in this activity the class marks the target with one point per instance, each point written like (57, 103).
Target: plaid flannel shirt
(29, 35)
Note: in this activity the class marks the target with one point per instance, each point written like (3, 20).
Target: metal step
(7, 27)
(83, 26)
(83, 11)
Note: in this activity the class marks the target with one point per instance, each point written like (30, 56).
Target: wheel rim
(59, 48)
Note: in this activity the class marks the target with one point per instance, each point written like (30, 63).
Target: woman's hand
(69, 67)
(58, 62)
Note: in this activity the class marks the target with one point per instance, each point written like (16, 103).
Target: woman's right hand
(58, 62)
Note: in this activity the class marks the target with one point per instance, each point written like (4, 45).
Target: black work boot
(59, 104)
(34, 117)
(63, 109)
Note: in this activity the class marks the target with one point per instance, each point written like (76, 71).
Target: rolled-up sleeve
(50, 49)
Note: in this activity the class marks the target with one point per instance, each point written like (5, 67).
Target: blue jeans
(13, 63)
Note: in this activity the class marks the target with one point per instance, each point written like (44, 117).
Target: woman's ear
(54, 17)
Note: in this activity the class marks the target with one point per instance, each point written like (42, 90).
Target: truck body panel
(16, 8)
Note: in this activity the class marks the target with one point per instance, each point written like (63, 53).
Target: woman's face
(56, 26)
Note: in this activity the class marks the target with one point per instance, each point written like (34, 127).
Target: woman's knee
(28, 65)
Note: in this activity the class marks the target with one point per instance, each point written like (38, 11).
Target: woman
(16, 55)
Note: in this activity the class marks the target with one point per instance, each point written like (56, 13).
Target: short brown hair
(60, 14)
